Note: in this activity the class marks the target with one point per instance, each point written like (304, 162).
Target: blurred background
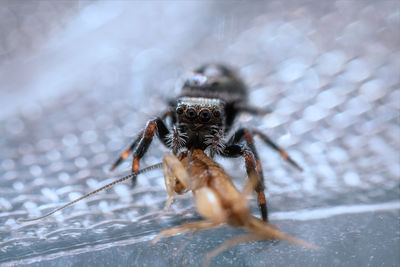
(79, 79)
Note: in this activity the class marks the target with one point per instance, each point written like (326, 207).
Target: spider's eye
(179, 110)
(205, 115)
(217, 114)
(191, 114)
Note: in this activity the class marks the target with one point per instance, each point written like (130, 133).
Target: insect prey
(217, 199)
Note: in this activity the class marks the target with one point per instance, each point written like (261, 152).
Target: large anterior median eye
(179, 110)
(205, 115)
(191, 114)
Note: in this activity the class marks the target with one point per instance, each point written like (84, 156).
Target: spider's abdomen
(215, 81)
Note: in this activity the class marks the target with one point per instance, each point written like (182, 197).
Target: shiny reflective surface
(80, 80)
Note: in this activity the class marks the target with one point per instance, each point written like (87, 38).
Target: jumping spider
(201, 117)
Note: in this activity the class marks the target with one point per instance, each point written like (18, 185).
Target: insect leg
(176, 179)
(194, 226)
(231, 243)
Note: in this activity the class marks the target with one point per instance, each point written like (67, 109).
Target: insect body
(202, 117)
(216, 198)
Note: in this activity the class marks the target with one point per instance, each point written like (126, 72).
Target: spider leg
(274, 146)
(129, 150)
(261, 112)
(153, 126)
(247, 136)
(252, 110)
(253, 169)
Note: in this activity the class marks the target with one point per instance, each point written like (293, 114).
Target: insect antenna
(152, 167)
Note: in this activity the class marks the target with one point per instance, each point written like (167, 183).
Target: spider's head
(200, 111)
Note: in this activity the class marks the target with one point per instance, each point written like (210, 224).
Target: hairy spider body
(201, 117)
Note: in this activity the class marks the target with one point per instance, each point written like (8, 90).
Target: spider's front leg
(253, 169)
(247, 136)
(238, 137)
(156, 125)
(127, 152)
(139, 137)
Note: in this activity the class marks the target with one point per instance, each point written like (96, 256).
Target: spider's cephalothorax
(201, 117)
(209, 102)
(200, 122)
(213, 81)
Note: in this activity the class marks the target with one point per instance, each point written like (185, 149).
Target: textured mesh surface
(80, 80)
